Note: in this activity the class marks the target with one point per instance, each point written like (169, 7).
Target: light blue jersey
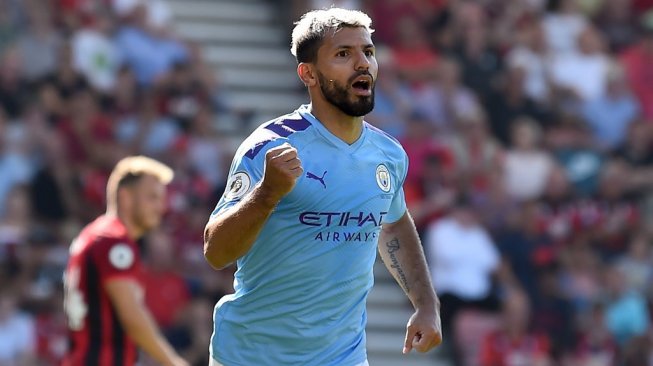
(302, 287)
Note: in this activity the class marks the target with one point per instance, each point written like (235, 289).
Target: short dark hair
(310, 30)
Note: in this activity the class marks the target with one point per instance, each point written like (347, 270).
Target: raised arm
(402, 254)
(231, 234)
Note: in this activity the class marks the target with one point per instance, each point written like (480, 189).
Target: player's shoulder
(387, 144)
(107, 243)
(287, 128)
(107, 230)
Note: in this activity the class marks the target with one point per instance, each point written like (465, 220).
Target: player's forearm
(230, 235)
(402, 254)
(144, 332)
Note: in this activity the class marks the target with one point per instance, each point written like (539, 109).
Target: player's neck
(133, 231)
(346, 128)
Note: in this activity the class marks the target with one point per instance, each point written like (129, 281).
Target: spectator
(558, 211)
(207, 151)
(192, 333)
(447, 100)
(580, 275)
(413, 57)
(53, 194)
(572, 147)
(388, 14)
(637, 149)
(562, 24)
(17, 333)
(636, 265)
(514, 344)
(637, 60)
(510, 102)
(125, 94)
(610, 114)
(16, 223)
(85, 129)
(184, 95)
(616, 19)
(157, 13)
(595, 344)
(476, 153)
(149, 132)
(494, 205)
(626, 314)
(39, 46)
(51, 330)
(525, 248)
(419, 140)
(637, 352)
(13, 88)
(433, 194)
(166, 291)
(8, 24)
(16, 164)
(526, 155)
(463, 274)
(613, 214)
(65, 78)
(51, 103)
(581, 75)
(150, 56)
(207, 80)
(531, 54)
(96, 55)
(553, 314)
(480, 62)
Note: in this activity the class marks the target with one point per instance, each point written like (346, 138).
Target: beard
(338, 96)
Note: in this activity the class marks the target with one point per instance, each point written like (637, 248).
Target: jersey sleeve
(398, 204)
(116, 258)
(246, 171)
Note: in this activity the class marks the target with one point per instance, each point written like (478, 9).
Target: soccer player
(104, 294)
(310, 197)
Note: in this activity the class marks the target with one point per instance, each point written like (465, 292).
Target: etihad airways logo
(327, 219)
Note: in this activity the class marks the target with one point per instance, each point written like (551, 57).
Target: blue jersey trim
(282, 128)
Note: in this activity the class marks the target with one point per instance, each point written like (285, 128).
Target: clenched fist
(282, 168)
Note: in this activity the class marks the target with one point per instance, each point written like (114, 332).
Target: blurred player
(305, 232)
(104, 294)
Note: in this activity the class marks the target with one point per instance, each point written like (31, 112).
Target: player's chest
(333, 178)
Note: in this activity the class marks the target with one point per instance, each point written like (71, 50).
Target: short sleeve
(398, 204)
(115, 258)
(245, 172)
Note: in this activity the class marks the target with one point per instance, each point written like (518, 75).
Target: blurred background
(528, 123)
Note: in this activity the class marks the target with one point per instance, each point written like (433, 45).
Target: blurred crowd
(528, 123)
(529, 127)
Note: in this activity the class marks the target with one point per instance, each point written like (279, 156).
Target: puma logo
(320, 179)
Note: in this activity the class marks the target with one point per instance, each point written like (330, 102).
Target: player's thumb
(408, 342)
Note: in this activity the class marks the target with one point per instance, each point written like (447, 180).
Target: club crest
(383, 178)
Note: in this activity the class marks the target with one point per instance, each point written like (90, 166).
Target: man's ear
(306, 74)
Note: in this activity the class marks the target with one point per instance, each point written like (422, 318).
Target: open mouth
(361, 85)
